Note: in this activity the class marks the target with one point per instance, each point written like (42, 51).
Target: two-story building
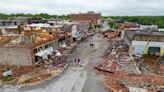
(28, 48)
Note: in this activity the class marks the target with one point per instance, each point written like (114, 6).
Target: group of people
(91, 45)
(77, 60)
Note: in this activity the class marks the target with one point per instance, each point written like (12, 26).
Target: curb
(42, 81)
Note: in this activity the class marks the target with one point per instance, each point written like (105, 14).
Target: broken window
(154, 50)
(46, 46)
(38, 49)
(35, 50)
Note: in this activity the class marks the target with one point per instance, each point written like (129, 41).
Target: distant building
(161, 29)
(149, 27)
(5, 22)
(130, 26)
(36, 20)
(82, 30)
(9, 30)
(18, 21)
(141, 42)
(54, 21)
(14, 21)
(105, 26)
(77, 31)
(43, 26)
(89, 17)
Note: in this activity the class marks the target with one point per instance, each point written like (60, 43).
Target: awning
(49, 51)
(42, 54)
(45, 53)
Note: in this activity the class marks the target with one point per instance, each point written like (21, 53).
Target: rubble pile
(23, 70)
(33, 75)
(114, 86)
(137, 80)
(121, 71)
(39, 78)
(41, 75)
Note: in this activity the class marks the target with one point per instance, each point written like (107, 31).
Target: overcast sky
(106, 7)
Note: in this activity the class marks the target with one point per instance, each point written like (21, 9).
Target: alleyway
(75, 78)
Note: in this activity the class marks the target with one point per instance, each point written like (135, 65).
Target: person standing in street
(78, 60)
(75, 60)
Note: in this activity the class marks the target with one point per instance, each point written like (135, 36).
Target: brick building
(89, 17)
(27, 49)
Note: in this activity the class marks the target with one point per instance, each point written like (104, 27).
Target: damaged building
(27, 49)
(10, 30)
(141, 42)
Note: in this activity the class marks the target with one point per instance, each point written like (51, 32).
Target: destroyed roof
(6, 39)
(131, 33)
(28, 39)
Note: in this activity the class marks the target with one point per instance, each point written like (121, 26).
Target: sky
(106, 7)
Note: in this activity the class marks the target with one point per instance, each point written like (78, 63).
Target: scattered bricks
(133, 79)
(39, 78)
(113, 64)
(151, 90)
(161, 69)
(2, 69)
(130, 78)
(61, 65)
(22, 70)
(150, 60)
(112, 85)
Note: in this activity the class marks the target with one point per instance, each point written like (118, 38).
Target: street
(75, 78)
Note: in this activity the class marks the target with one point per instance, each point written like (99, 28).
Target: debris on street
(125, 72)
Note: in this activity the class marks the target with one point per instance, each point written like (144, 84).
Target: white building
(105, 26)
(149, 27)
(141, 42)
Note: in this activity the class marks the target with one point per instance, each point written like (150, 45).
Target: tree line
(145, 20)
(42, 15)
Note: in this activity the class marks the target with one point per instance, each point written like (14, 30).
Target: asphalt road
(93, 81)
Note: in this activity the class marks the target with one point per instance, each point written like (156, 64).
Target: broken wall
(15, 56)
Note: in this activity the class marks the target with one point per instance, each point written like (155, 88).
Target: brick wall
(86, 17)
(15, 56)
